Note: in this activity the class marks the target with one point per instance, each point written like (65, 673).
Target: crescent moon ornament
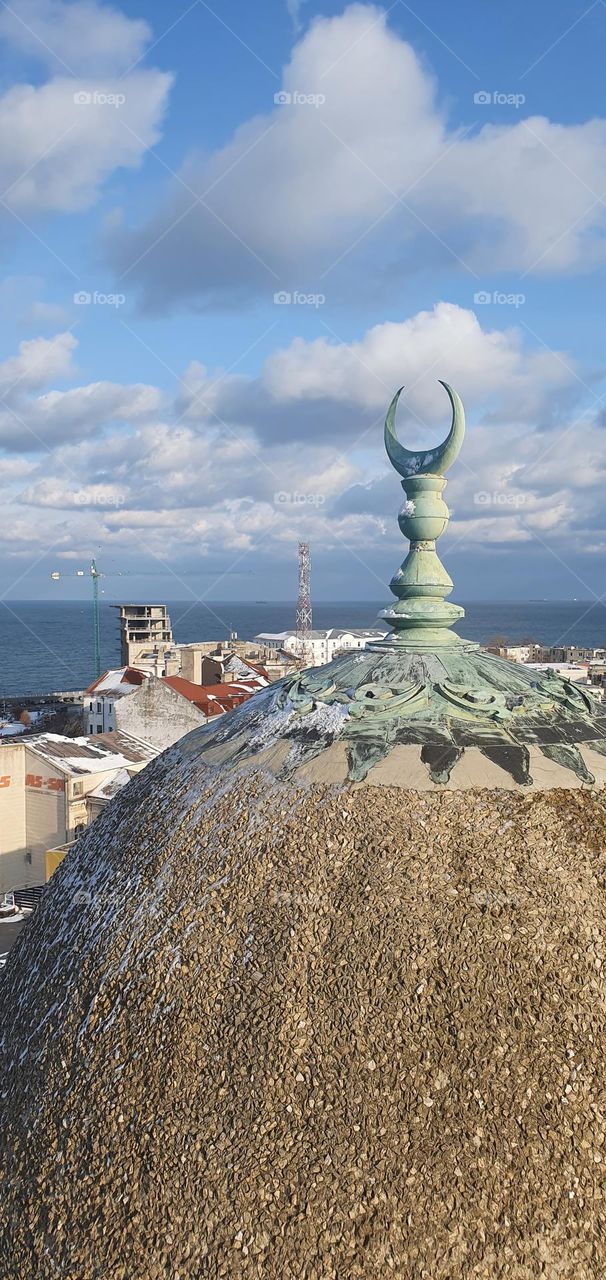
(425, 461)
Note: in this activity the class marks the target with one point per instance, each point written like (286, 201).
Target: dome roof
(259, 1028)
(424, 708)
(455, 717)
(274, 1019)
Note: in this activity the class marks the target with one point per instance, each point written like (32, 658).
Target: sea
(48, 646)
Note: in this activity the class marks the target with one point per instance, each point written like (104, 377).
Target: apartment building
(44, 783)
(99, 700)
(324, 643)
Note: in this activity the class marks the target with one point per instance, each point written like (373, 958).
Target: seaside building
(322, 994)
(205, 662)
(324, 644)
(553, 655)
(162, 709)
(213, 670)
(99, 700)
(515, 652)
(44, 784)
(572, 653)
(146, 638)
(596, 677)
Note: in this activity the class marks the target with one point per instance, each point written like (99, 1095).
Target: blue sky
(431, 200)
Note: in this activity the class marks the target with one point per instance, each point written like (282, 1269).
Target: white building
(99, 700)
(44, 784)
(324, 644)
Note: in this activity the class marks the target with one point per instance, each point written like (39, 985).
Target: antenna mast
(304, 617)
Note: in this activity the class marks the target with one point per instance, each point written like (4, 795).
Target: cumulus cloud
(61, 139)
(312, 388)
(82, 36)
(37, 362)
(125, 465)
(361, 150)
(29, 422)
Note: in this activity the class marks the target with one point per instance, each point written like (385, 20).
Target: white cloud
(82, 37)
(121, 466)
(293, 8)
(55, 152)
(297, 187)
(29, 422)
(61, 139)
(38, 361)
(312, 388)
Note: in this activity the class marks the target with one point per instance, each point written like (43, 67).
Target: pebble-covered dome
(320, 995)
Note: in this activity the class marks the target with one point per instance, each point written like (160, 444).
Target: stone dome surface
(264, 1027)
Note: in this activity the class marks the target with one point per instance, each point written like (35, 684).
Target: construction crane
(95, 575)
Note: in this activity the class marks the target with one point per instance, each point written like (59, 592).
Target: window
(90, 706)
(77, 788)
(99, 728)
(98, 708)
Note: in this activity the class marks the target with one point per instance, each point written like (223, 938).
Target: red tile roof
(130, 675)
(210, 699)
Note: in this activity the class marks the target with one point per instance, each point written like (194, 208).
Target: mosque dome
(320, 995)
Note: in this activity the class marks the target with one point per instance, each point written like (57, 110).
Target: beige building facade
(44, 783)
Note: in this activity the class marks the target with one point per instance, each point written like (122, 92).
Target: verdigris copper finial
(422, 616)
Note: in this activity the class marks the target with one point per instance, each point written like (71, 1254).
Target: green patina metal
(423, 686)
(422, 616)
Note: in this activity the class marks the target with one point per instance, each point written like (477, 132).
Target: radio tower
(304, 622)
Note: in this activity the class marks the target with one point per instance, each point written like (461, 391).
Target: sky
(231, 231)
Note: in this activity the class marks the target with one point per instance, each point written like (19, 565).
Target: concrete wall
(199, 667)
(40, 808)
(157, 714)
(13, 867)
(191, 664)
(45, 809)
(211, 671)
(32, 816)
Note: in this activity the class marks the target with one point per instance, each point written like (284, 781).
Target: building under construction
(146, 636)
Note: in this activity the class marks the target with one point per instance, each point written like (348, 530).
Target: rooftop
(98, 754)
(109, 787)
(115, 679)
(211, 699)
(328, 633)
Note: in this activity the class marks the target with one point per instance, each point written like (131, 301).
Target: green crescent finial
(428, 461)
(422, 616)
